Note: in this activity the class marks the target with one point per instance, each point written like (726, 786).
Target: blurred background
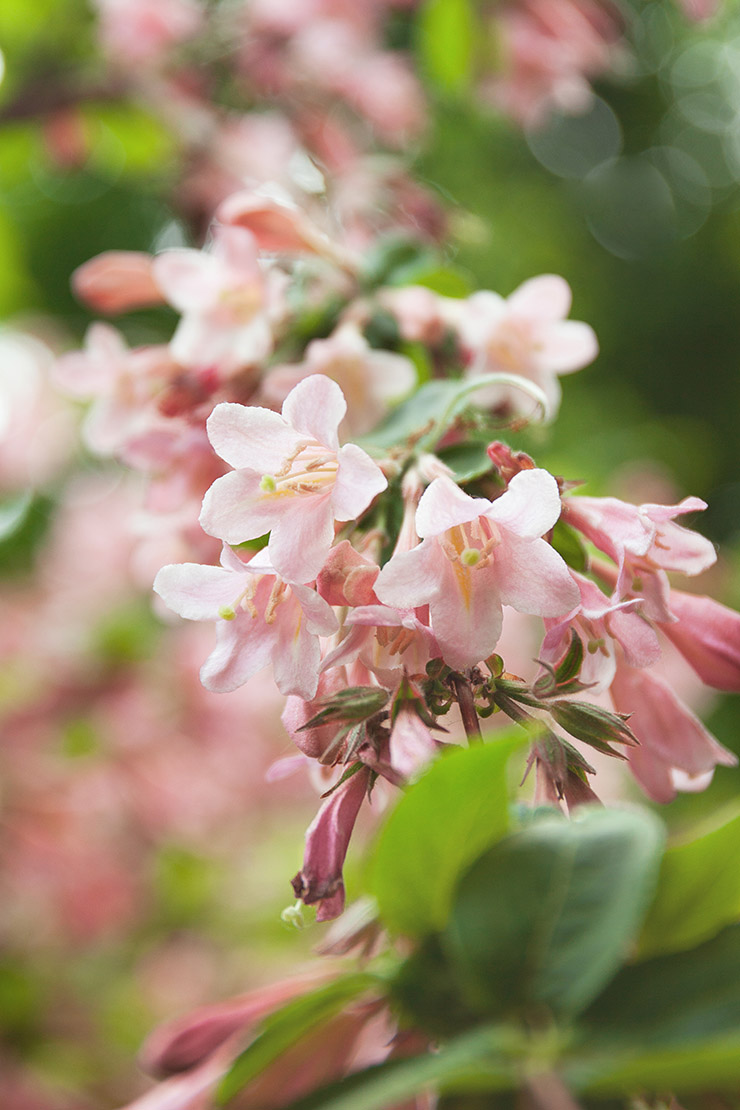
(144, 860)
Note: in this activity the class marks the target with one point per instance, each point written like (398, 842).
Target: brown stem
(469, 716)
(547, 1091)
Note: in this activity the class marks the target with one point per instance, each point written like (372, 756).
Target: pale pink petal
(533, 578)
(567, 346)
(466, 614)
(358, 481)
(547, 297)
(199, 342)
(236, 248)
(530, 506)
(191, 280)
(197, 592)
(300, 543)
(680, 549)
(412, 577)
(320, 618)
(708, 636)
(316, 407)
(235, 509)
(251, 438)
(637, 637)
(242, 649)
(444, 505)
(661, 513)
(411, 744)
(670, 734)
(297, 654)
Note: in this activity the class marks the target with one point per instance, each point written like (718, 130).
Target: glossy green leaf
(670, 1021)
(546, 917)
(288, 1025)
(455, 811)
(698, 891)
(446, 36)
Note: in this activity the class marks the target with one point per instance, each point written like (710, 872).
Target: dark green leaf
(670, 1021)
(444, 821)
(545, 917)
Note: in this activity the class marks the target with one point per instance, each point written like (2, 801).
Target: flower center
(309, 469)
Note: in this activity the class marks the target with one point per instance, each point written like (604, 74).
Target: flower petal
(530, 506)
(235, 509)
(197, 592)
(251, 438)
(316, 407)
(300, 543)
(533, 578)
(358, 481)
(546, 297)
(444, 505)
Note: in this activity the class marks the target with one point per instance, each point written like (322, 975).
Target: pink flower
(370, 380)
(388, 642)
(412, 745)
(123, 383)
(291, 479)
(223, 296)
(526, 334)
(260, 618)
(600, 623)
(675, 748)
(136, 31)
(644, 542)
(117, 281)
(279, 226)
(708, 636)
(477, 555)
(327, 841)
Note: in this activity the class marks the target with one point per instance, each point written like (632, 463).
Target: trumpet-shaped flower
(477, 555)
(291, 478)
(261, 620)
(645, 542)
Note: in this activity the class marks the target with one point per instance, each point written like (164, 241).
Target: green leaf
(546, 916)
(480, 1060)
(698, 891)
(670, 1021)
(467, 461)
(444, 821)
(288, 1025)
(446, 38)
(423, 409)
(569, 546)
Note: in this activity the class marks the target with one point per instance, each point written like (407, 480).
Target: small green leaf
(290, 1024)
(420, 411)
(446, 36)
(467, 461)
(444, 821)
(698, 891)
(546, 916)
(569, 546)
